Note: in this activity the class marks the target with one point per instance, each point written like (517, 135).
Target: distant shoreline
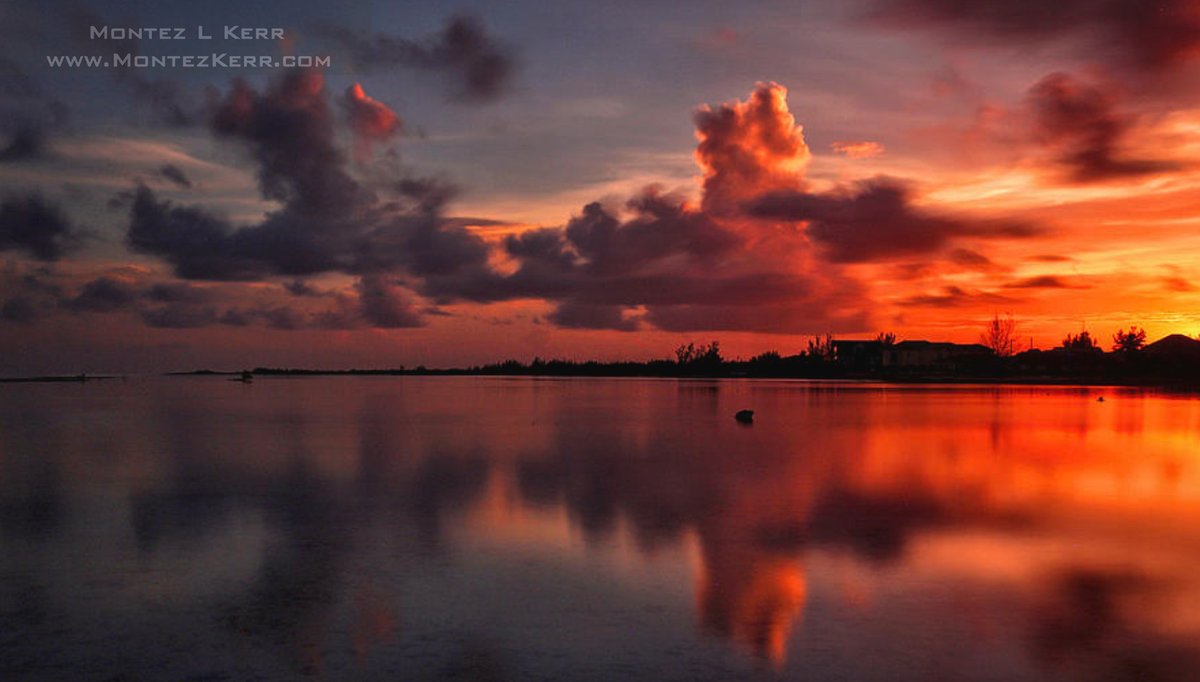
(897, 379)
(1184, 385)
(59, 379)
(1172, 362)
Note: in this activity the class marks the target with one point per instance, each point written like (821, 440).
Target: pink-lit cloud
(858, 149)
(370, 120)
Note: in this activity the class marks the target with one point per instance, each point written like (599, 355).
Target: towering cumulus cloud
(741, 258)
(761, 250)
(662, 261)
(747, 148)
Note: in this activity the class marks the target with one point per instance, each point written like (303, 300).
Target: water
(517, 529)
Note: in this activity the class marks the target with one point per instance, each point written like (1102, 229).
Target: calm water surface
(517, 529)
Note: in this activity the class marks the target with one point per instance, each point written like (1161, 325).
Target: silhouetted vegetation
(821, 348)
(702, 359)
(1129, 341)
(1079, 359)
(1000, 336)
(1082, 341)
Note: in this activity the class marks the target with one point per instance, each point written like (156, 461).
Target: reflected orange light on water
(961, 522)
(979, 474)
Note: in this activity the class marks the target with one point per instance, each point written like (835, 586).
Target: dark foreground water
(517, 529)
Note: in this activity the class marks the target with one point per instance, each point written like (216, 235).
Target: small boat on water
(744, 416)
(245, 378)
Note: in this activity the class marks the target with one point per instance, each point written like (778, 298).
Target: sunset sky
(468, 182)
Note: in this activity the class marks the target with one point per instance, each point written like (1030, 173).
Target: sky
(468, 182)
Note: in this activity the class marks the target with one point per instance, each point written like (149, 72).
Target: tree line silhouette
(1079, 358)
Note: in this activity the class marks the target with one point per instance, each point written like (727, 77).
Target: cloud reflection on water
(334, 527)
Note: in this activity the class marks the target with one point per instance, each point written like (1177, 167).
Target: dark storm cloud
(176, 175)
(32, 224)
(479, 67)
(657, 261)
(573, 315)
(653, 256)
(104, 295)
(197, 244)
(687, 269)
(27, 142)
(662, 227)
(1145, 36)
(167, 304)
(876, 220)
(289, 133)
(663, 262)
(385, 304)
(599, 257)
(372, 302)
(1079, 123)
(328, 221)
